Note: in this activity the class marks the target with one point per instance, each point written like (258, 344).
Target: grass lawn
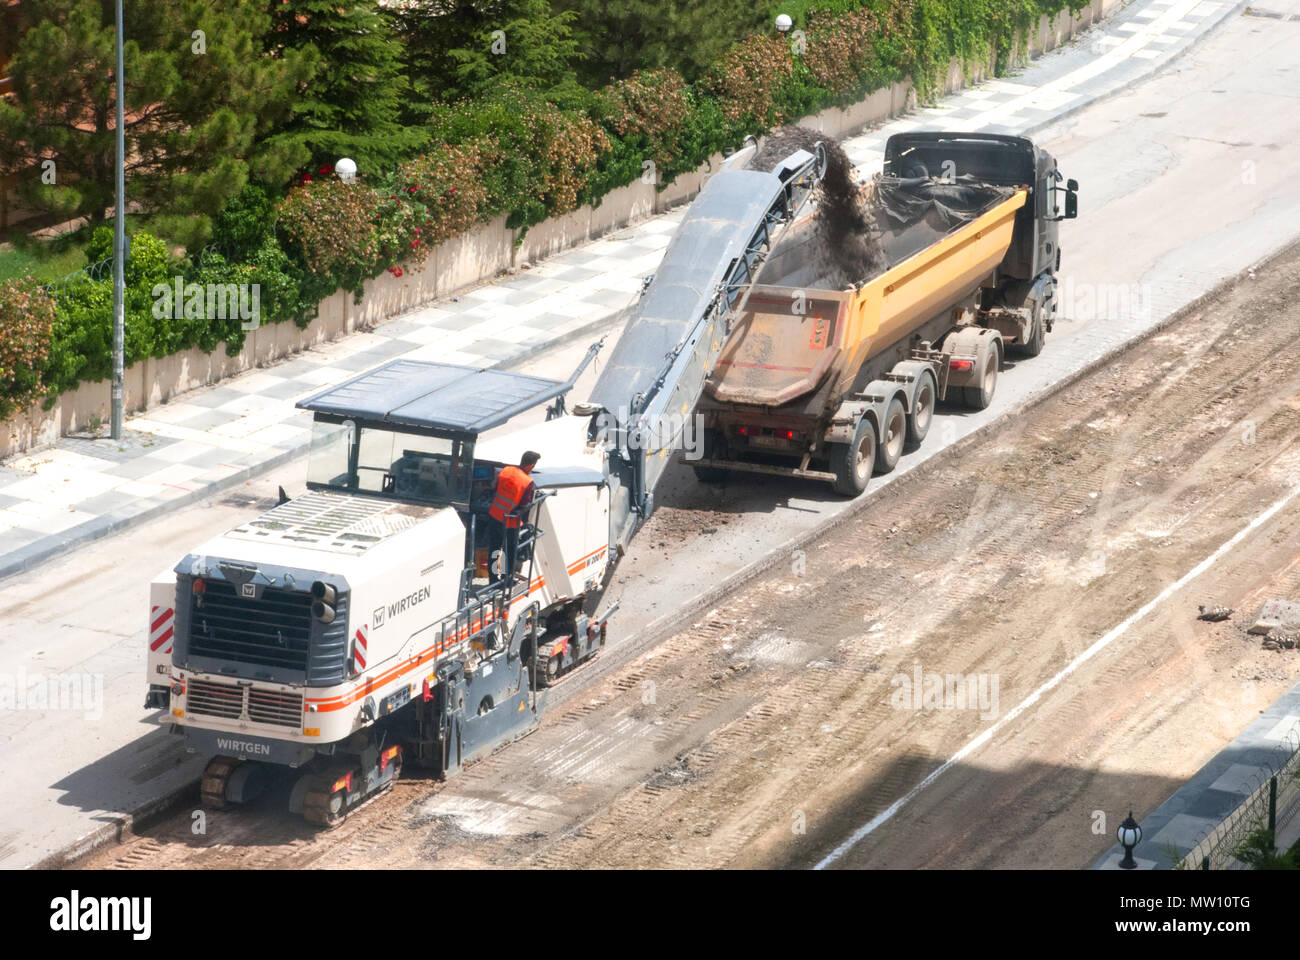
(44, 260)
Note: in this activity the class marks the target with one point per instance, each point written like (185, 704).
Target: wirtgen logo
(105, 914)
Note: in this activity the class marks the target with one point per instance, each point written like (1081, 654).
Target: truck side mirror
(1071, 204)
(1072, 185)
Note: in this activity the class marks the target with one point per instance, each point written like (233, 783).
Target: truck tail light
(962, 365)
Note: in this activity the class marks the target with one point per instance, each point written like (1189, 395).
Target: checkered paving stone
(133, 445)
(83, 487)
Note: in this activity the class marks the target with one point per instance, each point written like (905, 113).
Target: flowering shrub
(841, 53)
(26, 326)
(442, 193)
(745, 83)
(331, 226)
(649, 108)
(535, 160)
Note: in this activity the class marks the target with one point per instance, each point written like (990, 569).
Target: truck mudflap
(874, 400)
(969, 345)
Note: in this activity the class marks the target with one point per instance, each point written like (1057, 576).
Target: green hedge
(80, 338)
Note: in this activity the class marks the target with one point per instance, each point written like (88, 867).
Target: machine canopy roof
(435, 396)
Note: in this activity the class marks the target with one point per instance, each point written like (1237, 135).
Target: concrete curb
(121, 827)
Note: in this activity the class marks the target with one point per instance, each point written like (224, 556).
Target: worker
(514, 493)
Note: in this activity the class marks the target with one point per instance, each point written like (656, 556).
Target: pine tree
(618, 38)
(199, 93)
(459, 48)
(353, 105)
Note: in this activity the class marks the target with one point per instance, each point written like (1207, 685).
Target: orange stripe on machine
(330, 704)
(589, 559)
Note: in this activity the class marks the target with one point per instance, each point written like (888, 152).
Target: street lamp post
(1129, 835)
(119, 252)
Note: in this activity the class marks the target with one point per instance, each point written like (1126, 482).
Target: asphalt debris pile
(846, 230)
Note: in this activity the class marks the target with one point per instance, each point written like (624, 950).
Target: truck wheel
(714, 449)
(854, 462)
(1034, 345)
(922, 415)
(977, 398)
(895, 434)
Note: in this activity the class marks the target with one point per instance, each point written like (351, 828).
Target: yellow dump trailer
(838, 381)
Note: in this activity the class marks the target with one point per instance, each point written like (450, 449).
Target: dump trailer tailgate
(784, 344)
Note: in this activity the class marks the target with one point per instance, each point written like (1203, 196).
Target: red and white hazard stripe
(160, 628)
(359, 651)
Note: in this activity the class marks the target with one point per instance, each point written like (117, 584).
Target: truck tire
(893, 436)
(853, 463)
(1034, 345)
(977, 398)
(922, 414)
(714, 448)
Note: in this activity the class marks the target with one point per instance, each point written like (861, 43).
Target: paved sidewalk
(1219, 787)
(192, 448)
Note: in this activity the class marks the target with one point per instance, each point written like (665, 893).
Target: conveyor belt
(657, 370)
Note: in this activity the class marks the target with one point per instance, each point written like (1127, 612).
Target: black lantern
(1129, 835)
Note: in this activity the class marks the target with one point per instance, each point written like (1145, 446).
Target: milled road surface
(773, 728)
(1185, 181)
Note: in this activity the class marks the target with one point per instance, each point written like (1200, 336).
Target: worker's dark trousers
(505, 539)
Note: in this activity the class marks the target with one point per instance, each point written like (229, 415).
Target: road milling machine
(356, 628)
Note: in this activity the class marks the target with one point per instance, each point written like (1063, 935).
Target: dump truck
(831, 384)
(355, 628)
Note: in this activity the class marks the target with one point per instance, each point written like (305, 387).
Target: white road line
(1115, 632)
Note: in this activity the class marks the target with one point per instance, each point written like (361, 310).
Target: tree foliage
(199, 99)
(353, 104)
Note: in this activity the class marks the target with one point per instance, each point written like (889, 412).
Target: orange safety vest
(511, 487)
